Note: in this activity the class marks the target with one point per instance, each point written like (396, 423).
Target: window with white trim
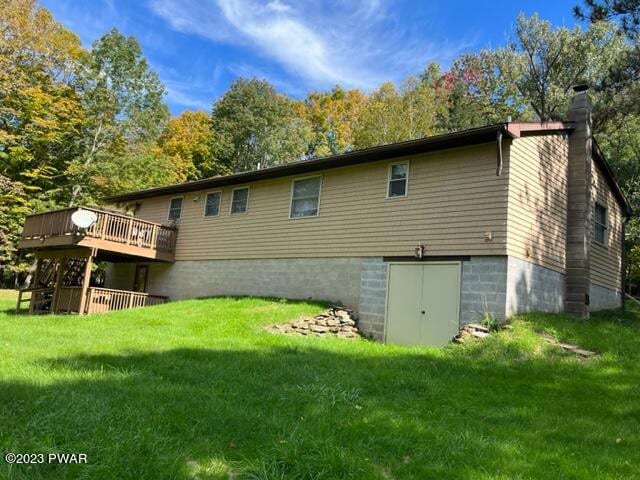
(212, 204)
(601, 226)
(305, 197)
(398, 179)
(175, 209)
(239, 200)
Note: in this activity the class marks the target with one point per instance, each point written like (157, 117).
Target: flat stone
(584, 353)
(477, 326)
(577, 350)
(319, 328)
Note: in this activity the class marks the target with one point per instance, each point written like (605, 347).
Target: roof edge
(610, 176)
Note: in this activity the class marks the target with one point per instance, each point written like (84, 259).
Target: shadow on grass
(11, 312)
(304, 412)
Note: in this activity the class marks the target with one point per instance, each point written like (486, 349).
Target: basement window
(398, 179)
(305, 197)
(601, 224)
(212, 204)
(175, 209)
(239, 200)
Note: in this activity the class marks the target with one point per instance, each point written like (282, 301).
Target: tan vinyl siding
(537, 217)
(606, 260)
(454, 198)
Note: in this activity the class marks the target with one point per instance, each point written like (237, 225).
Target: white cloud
(278, 6)
(195, 89)
(359, 44)
(181, 95)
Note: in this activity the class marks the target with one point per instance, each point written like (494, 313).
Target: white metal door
(423, 303)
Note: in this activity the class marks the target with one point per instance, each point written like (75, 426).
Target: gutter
(601, 161)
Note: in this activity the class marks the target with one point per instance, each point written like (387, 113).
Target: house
(418, 237)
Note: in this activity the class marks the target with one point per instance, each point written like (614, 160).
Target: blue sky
(199, 46)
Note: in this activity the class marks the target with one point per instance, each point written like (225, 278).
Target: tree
(622, 85)
(122, 100)
(332, 116)
(187, 142)
(481, 90)
(378, 122)
(39, 111)
(551, 61)
(421, 107)
(255, 127)
(40, 116)
(392, 115)
(628, 11)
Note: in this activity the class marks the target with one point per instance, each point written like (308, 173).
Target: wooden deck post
(62, 264)
(89, 301)
(129, 230)
(154, 237)
(19, 301)
(86, 281)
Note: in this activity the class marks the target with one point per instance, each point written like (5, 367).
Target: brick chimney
(577, 280)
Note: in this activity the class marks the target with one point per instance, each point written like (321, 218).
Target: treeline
(77, 124)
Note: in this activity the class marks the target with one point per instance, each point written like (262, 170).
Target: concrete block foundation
(500, 285)
(603, 298)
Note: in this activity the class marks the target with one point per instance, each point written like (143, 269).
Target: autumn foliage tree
(40, 115)
(187, 142)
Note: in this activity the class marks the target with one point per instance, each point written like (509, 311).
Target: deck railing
(99, 300)
(107, 299)
(110, 226)
(40, 299)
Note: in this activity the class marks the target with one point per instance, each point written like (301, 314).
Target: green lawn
(197, 389)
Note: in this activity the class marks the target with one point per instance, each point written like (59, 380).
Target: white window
(601, 224)
(212, 204)
(239, 200)
(175, 209)
(305, 197)
(398, 179)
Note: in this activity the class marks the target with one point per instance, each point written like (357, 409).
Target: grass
(197, 390)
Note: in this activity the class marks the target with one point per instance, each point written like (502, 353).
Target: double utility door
(423, 303)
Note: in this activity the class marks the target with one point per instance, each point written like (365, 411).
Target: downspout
(499, 153)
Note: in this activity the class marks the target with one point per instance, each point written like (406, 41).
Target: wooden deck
(111, 232)
(98, 300)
